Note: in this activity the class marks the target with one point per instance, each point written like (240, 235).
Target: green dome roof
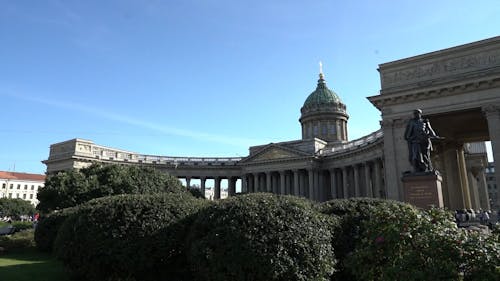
(322, 95)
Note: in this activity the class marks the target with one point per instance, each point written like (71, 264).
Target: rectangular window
(24, 196)
(3, 185)
(333, 129)
(39, 186)
(18, 186)
(25, 187)
(17, 195)
(11, 186)
(31, 196)
(32, 187)
(10, 195)
(324, 130)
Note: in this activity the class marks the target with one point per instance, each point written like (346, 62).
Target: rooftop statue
(419, 134)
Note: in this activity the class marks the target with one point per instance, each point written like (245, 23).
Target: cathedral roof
(322, 95)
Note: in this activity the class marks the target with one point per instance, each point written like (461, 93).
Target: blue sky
(202, 78)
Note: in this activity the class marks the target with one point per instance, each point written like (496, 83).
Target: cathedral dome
(324, 115)
(321, 96)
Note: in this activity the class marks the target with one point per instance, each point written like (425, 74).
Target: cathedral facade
(457, 88)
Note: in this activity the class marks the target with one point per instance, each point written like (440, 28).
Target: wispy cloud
(165, 129)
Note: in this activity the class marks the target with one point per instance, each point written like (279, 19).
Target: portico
(458, 90)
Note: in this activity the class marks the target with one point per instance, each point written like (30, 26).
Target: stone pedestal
(423, 190)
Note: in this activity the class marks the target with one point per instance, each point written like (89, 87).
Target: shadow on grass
(31, 265)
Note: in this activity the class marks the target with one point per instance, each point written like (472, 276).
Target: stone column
(473, 180)
(368, 185)
(269, 187)
(202, 186)
(453, 187)
(296, 183)
(256, 182)
(395, 157)
(302, 184)
(310, 174)
(355, 169)
(484, 199)
(377, 178)
(321, 187)
(345, 180)
(492, 114)
(275, 184)
(231, 186)
(244, 186)
(217, 188)
(333, 184)
(282, 182)
(463, 178)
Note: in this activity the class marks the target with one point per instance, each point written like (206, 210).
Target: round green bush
(352, 212)
(128, 237)
(261, 237)
(404, 243)
(480, 255)
(47, 228)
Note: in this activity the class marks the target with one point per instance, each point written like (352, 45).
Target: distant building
(492, 186)
(21, 185)
(210, 192)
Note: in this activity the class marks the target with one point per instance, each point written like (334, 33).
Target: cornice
(381, 101)
(347, 154)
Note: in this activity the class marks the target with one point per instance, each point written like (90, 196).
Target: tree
(71, 188)
(15, 208)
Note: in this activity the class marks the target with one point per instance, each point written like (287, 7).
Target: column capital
(491, 110)
(394, 123)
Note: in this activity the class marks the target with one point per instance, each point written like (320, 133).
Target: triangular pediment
(274, 152)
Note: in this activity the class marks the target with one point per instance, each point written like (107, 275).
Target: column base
(423, 190)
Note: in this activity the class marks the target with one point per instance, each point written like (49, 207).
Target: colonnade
(217, 184)
(358, 180)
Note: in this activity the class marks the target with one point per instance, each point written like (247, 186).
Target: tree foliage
(352, 213)
(128, 237)
(15, 208)
(70, 188)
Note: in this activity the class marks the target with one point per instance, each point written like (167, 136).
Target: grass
(31, 265)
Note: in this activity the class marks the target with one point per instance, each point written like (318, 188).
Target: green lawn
(31, 265)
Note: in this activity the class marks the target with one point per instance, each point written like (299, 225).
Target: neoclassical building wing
(458, 90)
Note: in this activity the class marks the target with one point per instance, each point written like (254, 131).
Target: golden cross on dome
(320, 70)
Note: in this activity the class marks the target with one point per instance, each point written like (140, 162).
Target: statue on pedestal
(419, 134)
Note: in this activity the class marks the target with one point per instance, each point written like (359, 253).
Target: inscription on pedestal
(423, 191)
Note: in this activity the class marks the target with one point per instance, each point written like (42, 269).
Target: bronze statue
(418, 134)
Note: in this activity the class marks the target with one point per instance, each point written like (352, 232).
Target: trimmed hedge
(352, 212)
(128, 237)
(47, 228)
(261, 237)
(17, 241)
(480, 256)
(404, 243)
